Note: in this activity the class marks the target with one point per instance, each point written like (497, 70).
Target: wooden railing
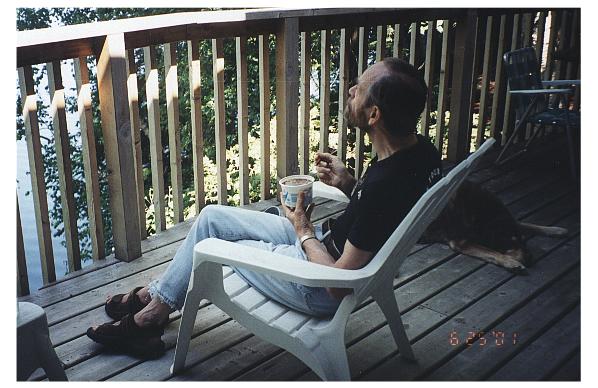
(457, 62)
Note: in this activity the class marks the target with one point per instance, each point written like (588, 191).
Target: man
(386, 103)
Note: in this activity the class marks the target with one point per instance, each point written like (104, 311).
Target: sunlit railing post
(116, 128)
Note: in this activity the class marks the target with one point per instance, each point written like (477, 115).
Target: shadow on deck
(527, 327)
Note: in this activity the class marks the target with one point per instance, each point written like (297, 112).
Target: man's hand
(333, 172)
(300, 217)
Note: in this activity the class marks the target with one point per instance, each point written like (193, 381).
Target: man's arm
(352, 257)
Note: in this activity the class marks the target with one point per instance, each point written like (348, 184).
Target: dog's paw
(556, 231)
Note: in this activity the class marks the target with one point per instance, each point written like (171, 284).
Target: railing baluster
(509, 116)
(488, 50)
(36, 170)
(90, 163)
(155, 137)
(500, 81)
(63, 164)
(219, 109)
(396, 41)
(22, 276)
(429, 74)
(362, 63)
(527, 25)
(242, 119)
(540, 37)
(264, 80)
(116, 130)
(413, 43)
(445, 68)
(304, 102)
(459, 140)
(196, 124)
(343, 92)
(554, 16)
(287, 97)
(380, 42)
(480, 24)
(561, 67)
(574, 37)
(174, 130)
(136, 133)
(324, 89)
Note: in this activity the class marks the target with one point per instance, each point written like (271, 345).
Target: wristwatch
(305, 238)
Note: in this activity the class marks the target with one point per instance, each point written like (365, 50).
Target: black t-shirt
(385, 194)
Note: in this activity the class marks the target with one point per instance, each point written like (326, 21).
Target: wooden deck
(438, 291)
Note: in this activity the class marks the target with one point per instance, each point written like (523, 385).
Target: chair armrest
(283, 267)
(541, 91)
(562, 82)
(321, 189)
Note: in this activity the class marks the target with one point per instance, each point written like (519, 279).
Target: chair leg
(499, 159)
(388, 305)
(188, 317)
(331, 358)
(49, 360)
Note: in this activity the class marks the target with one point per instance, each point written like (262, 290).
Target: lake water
(29, 227)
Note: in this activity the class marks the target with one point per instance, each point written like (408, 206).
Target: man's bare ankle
(144, 295)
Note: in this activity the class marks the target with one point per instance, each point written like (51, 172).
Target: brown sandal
(116, 309)
(126, 336)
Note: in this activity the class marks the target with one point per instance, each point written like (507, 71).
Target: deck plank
(569, 371)
(550, 350)
(481, 357)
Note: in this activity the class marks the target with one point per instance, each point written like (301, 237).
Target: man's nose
(352, 90)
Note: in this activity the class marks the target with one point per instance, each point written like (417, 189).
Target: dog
(477, 223)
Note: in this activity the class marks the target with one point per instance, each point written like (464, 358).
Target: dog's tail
(550, 231)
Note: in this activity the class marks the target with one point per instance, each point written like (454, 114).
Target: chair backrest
(387, 261)
(523, 73)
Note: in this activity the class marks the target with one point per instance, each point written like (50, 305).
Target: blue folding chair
(532, 102)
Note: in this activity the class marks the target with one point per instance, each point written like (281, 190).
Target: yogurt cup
(292, 185)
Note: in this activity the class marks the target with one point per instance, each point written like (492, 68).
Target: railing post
(287, 97)
(465, 34)
(118, 146)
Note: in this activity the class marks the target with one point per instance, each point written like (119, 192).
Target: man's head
(390, 94)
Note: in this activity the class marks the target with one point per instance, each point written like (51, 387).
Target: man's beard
(356, 119)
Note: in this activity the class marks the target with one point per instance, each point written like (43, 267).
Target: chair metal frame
(531, 98)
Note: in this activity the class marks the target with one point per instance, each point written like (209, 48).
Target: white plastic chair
(34, 348)
(318, 342)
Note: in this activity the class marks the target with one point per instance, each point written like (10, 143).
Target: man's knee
(210, 211)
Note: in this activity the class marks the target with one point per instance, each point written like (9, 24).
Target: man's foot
(120, 305)
(125, 336)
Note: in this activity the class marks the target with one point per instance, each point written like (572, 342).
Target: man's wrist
(348, 184)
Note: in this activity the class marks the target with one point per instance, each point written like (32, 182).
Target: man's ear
(374, 116)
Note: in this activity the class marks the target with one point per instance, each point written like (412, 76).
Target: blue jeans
(256, 229)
